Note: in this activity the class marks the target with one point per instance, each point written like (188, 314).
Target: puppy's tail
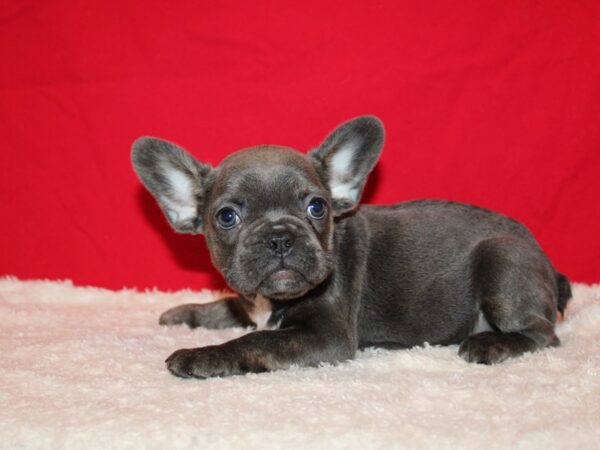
(564, 291)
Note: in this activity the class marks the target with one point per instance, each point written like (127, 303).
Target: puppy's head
(267, 212)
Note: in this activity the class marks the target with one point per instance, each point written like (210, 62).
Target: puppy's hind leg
(224, 313)
(516, 288)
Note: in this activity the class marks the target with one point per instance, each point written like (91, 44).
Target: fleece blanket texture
(83, 368)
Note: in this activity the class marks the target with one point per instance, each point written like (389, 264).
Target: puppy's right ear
(178, 182)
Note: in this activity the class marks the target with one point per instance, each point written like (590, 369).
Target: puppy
(321, 277)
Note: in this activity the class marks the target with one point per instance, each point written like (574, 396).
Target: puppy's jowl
(321, 277)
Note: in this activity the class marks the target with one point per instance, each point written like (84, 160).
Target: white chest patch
(261, 312)
(481, 325)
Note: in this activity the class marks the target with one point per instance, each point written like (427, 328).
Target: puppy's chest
(262, 314)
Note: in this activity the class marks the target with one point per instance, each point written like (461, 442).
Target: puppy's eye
(227, 218)
(316, 208)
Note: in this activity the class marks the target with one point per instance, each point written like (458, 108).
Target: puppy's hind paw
(493, 347)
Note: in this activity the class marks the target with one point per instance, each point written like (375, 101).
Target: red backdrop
(493, 103)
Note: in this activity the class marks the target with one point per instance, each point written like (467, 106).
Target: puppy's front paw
(204, 362)
(183, 314)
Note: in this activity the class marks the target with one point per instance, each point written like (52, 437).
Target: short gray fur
(390, 276)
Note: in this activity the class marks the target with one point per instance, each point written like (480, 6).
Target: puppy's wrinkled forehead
(268, 172)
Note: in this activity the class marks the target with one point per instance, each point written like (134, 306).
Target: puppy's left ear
(345, 159)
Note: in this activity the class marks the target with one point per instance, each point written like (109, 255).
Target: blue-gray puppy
(321, 277)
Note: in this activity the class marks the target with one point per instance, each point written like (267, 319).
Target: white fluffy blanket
(82, 368)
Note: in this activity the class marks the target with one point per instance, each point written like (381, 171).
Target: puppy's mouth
(284, 275)
(283, 284)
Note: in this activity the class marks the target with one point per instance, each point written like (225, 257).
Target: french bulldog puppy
(321, 277)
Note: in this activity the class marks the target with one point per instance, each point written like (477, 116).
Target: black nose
(281, 243)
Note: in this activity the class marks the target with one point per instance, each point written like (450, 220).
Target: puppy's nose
(281, 243)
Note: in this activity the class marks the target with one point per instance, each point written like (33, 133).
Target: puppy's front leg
(224, 313)
(262, 351)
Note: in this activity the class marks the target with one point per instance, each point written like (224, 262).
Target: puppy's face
(267, 212)
(269, 224)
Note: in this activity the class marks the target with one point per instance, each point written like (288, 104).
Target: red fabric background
(494, 103)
